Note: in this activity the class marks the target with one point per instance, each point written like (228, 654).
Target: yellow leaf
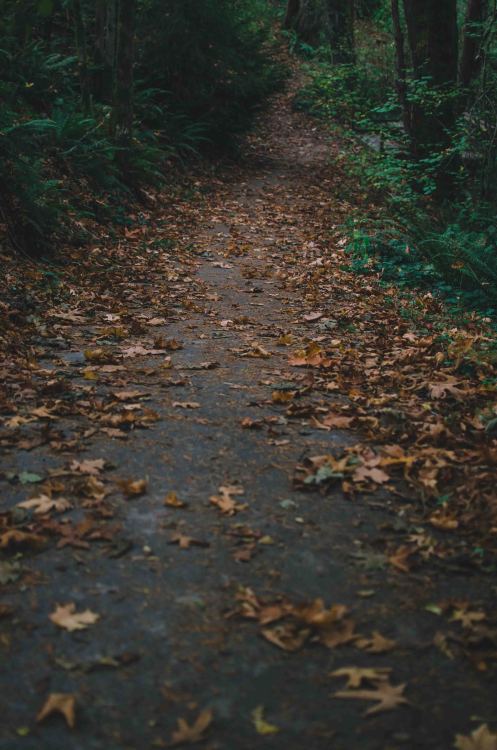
(260, 724)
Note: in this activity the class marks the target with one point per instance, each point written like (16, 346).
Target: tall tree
(472, 55)
(307, 18)
(341, 30)
(105, 48)
(432, 34)
(81, 50)
(400, 62)
(317, 20)
(123, 84)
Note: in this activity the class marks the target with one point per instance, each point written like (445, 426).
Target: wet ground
(169, 582)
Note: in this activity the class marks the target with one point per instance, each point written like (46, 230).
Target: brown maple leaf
(66, 617)
(62, 703)
(481, 739)
(338, 634)
(337, 421)
(18, 538)
(186, 734)
(330, 626)
(399, 559)
(376, 644)
(363, 473)
(44, 504)
(387, 696)
(287, 636)
(225, 502)
(357, 675)
(88, 466)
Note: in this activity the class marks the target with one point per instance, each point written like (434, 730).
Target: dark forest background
(101, 99)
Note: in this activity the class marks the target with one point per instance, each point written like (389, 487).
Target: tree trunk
(400, 63)
(473, 54)
(292, 12)
(81, 50)
(307, 18)
(433, 43)
(123, 84)
(341, 30)
(105, 48)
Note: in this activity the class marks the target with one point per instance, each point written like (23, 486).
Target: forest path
(180, 376)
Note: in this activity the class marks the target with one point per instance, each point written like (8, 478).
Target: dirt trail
(179, 629)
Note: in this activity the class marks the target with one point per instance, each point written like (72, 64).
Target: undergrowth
(409, 237)
(200, 71)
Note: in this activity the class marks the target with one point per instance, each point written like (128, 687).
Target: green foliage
(209, 59)
(441, 206)
(200, 71)
(455, 262)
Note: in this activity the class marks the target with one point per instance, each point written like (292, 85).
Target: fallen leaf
(283, 397)
(441, 390)
(140, 351)
(399, 559)
(467, 618)
(225, 502)
(287, 636)
(252, 424)
(387, 696)
(481, 739)
(173, 501)
(260, 724)
(186, 405)
(61, 703)
(200, 366)
(96, 355)
(186, 734)
(89, 466)
(156, 322)
(257, 351)
(133, 487)
(376, 644)
(441, 520)
(363, 473)
(65, 616)
(312, 316)
(29, 477)
(357, 675)
(173, 345)
(44, 504)
(17, 538)
(337, 421)
(185, 542)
